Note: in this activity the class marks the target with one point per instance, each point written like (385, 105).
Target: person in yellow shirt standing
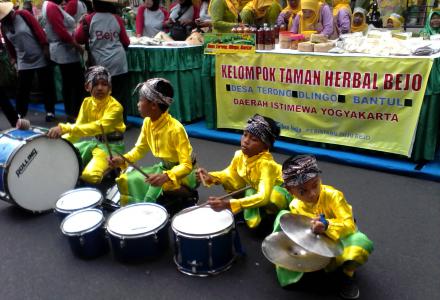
(331, 215)
(255, 167)
(167, 140)
(99, 111)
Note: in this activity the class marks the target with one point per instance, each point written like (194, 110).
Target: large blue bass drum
(36, 170)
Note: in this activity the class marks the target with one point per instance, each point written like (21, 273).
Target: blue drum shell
(135, 249)
(85, 232)
(203, 256)
(89, 245)
(62, 214)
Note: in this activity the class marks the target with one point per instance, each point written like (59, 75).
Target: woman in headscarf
(258, 12)
(224, 14)
(432, 25)
(359, 20)
(288, 14)
(341, 17)
(395, 22)
(314, 16)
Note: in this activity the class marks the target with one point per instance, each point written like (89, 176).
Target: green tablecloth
(181, 66)
(427, 136)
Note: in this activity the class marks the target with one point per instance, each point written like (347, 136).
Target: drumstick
(221, 198)
(202, 176)
(234, 192)
(104, 137)
(133, 165)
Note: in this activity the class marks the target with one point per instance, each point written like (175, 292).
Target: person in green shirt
(258, 12)
(224, 14)
(432, 25)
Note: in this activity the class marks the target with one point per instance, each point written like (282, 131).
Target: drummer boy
(167, 140)
(98, 112)
(331, 215)
(252, 165)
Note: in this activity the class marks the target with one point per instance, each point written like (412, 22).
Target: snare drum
(204, 241)
(138, 231)
(77, 199)
(85, 232)
(34, 170)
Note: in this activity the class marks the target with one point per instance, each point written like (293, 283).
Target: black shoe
(348, 288)
(50, 117)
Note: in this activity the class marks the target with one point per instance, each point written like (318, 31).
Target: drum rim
(81, 233)
(7, 164)
(201, 236)
(139, 235)
(66, 211)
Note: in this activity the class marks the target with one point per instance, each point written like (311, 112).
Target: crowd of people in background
(73, 34)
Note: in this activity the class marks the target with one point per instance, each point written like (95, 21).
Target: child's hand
(317, 226)
(218, 204)
(203, 176)
(157, 179)
(115, 161)
(54, 132)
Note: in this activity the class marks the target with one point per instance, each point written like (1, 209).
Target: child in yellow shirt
(254, 166)
(167, 140)
(98, 111)
(311, 198)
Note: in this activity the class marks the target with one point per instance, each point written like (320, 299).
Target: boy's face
(145, 107)
(251, 145)
(100, 90)
(307, 192)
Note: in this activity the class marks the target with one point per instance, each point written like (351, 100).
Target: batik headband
(260, 128)
(300, 169)
(96, 73)
(147, 90)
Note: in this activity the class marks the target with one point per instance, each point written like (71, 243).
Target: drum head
(79, 198)
(202, 221)
(82, 221)
(137, 219)
(40, 171)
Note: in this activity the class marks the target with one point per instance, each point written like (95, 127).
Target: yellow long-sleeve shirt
(260, 171)
(93, 114)
(167, 140)
(333, 205)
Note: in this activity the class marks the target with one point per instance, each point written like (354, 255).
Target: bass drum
(35, 170)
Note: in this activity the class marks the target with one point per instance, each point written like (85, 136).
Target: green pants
(357, 248)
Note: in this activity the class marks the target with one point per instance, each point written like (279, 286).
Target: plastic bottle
(267, 37)
(260, 38)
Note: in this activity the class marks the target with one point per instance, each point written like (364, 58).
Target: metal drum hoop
(135, 236)
(81, 233)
